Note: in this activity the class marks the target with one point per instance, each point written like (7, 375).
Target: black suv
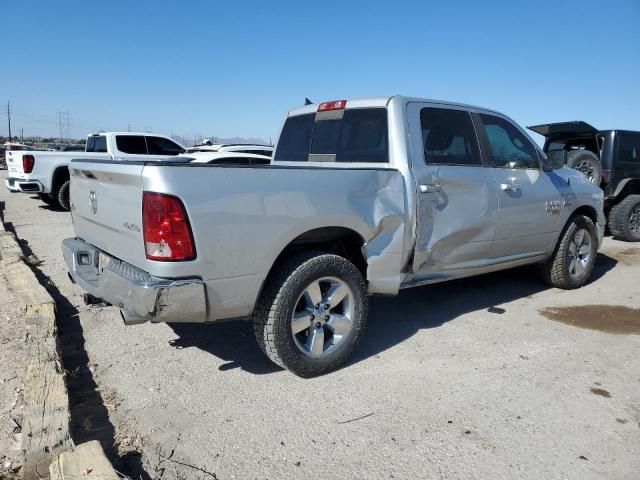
(609, 158)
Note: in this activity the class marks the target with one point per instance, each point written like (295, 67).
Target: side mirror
(556, 159)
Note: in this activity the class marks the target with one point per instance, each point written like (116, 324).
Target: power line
(9, 118)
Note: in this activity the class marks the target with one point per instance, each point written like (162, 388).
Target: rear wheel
(60, 194)
(586, 162)
(574, 257)
(624, 219)
(312, 313)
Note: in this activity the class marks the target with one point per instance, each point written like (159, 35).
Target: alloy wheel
(579, 253)
(323, 316)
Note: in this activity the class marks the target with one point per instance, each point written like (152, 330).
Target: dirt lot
(11, 375)
(492, 377)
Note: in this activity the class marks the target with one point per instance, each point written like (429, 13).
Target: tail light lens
(28, 161)
(167, 233)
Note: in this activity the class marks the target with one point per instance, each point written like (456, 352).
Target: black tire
(624, 219)
(586, 162)
(60, 194)
(556, 271)
(272, 318)
(46, 198)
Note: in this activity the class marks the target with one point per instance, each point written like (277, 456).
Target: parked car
(610, 159)
(362, 197)
(73, 148)
(47, 173)
(229, 158)
(232, 147)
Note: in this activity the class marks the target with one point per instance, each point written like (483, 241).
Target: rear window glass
(295, 139)
(96, 144)
(357, 135)
(132, 144)
(629, 148)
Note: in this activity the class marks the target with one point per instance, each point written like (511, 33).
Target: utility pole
(21, 135)
(64, 123)
(9, 118)
(129, 127)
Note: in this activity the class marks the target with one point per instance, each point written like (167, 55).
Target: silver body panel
(243, 217)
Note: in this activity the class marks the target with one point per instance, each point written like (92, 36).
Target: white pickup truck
(47, 173)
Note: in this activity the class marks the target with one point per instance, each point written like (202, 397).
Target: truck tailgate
(106, 207)
(14, 163)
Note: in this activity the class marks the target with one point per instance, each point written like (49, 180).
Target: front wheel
(312, 313)
(574, 257)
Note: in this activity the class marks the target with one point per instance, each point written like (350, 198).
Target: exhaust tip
(91, 299)
(130, 319)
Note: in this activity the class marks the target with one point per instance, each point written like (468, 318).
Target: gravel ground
(489, 377)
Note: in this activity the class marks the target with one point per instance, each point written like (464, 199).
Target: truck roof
(126, 133)
(384, 102)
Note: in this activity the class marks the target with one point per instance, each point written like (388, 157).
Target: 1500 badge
(553, 206)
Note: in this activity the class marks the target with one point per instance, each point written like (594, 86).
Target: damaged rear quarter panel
(243, 218)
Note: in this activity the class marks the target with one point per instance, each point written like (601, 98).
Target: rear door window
(356, 135)
(448, 137)
(131, 144)
(97, 144)
(163, 146)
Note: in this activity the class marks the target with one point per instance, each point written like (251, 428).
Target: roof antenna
(307, 101)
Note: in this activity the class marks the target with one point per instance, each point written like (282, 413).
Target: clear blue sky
(234, 68)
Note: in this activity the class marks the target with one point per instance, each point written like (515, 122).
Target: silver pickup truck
(362, 197)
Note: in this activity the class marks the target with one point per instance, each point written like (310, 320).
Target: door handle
(509, 187)
(430, 188)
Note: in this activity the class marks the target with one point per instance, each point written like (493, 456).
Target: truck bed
(242, 218)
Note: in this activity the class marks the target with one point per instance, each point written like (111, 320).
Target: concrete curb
(84, 461)
(46, 418)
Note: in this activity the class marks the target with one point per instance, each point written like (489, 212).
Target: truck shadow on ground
(434, 305)
(391, 320)
(46, 206)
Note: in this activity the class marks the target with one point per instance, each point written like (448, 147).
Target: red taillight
(28, 161)
(167, 233)
(335, 105)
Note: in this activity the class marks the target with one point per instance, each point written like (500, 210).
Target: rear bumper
(140, 296)
(21, 185)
